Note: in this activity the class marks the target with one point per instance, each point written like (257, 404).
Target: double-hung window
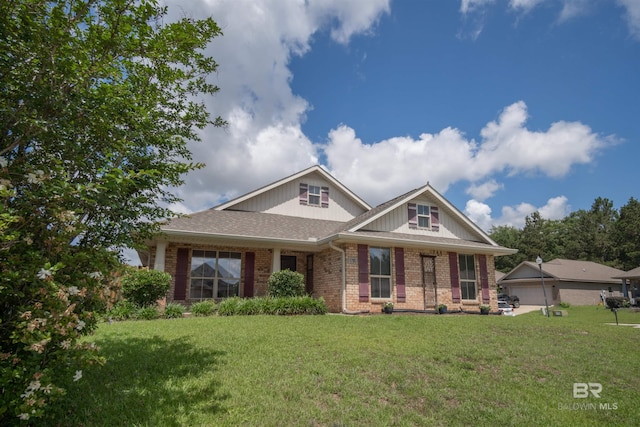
(424, 216)
(215, 274)
(468, 283)
(314, 195)
(380, 272)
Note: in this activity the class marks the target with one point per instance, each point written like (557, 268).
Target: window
(215, 274)
(380, 272)
(424, 216)
(314, 195)
(467, 277)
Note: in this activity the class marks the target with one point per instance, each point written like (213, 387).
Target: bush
(174, 310)
(286, 283)
(147, 313)
(145, 287)
(273, 306)
(229, 306)
(123, 310)
(564, 305)
(203, 308)
(617, 302)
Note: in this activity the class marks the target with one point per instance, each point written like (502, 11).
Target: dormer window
(314, 195)
(424, 216)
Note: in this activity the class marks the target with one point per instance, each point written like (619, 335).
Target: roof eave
(408, 243)
(255, 241)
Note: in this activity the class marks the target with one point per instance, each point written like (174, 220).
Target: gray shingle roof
(631, 274)
(253, 224)
(417, 238)
(579, 271)
(260, 225)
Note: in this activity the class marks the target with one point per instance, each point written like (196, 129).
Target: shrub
(285, 283)
(273, 306)
(147, 313)
(203, 308)
(145, 287)
(564, 305)
(174, 310)
(122, 310)
(229, 306)
(617, 302)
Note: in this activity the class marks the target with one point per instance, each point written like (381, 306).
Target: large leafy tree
(508, 236)
(98, 99)
(626, 235)
(589, 232)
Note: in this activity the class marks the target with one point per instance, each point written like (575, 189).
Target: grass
(362, 371)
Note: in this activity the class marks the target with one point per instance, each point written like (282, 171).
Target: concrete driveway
(527, 309)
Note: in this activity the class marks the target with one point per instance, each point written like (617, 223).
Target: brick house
(416, 250)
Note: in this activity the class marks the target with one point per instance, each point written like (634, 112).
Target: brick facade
(327, 277)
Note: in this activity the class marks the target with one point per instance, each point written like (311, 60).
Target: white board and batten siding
(285, 200)
(396, 221)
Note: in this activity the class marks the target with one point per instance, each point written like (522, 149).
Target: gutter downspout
(343, 256)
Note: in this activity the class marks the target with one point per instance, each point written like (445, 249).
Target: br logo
(582, 390)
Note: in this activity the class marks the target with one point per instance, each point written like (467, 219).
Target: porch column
(161, 249)
(275, 261)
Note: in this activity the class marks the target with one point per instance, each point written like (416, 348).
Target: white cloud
(509, 145)
(396, 165)
(570, 9)
(264, 140)
(485, 190)
(524, 5)
(556, 208)
(574, 8)
(633, 16)
(448, 157)
(514, 216)
(467, 6)
(479, 213)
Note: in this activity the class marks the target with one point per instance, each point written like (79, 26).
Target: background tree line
(601, 234)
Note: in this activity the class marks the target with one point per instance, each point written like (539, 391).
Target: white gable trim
(312, 169)
(389, 209)
(427, 189)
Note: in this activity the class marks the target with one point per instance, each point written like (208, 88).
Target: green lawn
(373, 370)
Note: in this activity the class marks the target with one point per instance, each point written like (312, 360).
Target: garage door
(530, 295)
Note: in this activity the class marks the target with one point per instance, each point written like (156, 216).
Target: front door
(429, 284)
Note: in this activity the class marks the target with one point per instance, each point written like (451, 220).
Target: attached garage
(530, 295)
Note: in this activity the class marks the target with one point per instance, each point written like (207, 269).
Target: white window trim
(463, 280)
(314, 195)
(215, 278)
(419, 216)
(381, 276)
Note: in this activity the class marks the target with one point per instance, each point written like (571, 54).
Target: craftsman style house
(416, 250)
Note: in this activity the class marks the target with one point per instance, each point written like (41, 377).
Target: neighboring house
(631, 284)
(416, 250)
(573, 282)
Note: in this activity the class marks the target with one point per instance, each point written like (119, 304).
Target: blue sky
(505, 107)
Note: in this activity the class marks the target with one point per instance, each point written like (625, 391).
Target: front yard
(363, 371)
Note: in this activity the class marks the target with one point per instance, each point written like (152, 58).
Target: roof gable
(281, 214)
(392, 216)
(283, 198)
